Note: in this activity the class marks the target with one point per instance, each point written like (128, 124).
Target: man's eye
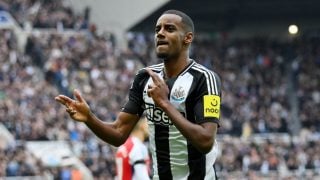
(170, 29)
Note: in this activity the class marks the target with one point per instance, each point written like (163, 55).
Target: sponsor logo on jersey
(178, 94)
(157, 115)
(211, 106)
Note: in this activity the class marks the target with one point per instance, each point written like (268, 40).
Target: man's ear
(188, 38)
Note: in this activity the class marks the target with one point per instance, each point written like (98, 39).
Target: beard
(162, 55)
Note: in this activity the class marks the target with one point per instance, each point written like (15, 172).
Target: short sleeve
(208, 100)
(135, 102)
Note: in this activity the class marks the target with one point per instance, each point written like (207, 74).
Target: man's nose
(160, 33)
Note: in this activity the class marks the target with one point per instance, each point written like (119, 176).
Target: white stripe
(188, 68)
(213, 80)
(177, 141)
(202, 69)
(215, 83)
(212, 77)
(152, 145)
(209, 79)
(157, 67)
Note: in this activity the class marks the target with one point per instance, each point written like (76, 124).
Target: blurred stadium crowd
(259, 75)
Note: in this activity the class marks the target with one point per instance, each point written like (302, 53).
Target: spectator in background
(46, 14)
(132, 158)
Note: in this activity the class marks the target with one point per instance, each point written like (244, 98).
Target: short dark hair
(186, 20)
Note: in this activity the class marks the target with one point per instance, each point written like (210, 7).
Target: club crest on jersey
(211, 106)
(178, 94)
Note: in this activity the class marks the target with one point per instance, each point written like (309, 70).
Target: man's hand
(78, 109)
(159, 90)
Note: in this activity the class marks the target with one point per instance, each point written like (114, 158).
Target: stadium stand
(260, 76)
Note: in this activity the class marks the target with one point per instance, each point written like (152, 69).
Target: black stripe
(163, 152)
(139, 162)
(196, 163)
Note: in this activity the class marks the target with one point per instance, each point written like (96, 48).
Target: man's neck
(173, 67)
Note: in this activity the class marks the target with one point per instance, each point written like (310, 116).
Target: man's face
(169, 35)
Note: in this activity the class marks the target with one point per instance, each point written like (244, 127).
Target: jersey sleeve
(208, 100)
(134, 105)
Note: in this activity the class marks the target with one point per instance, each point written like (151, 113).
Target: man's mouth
(160, 43)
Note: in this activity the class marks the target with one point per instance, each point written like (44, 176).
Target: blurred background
(267, 54)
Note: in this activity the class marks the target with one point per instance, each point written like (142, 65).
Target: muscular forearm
(108, 132)
(105, 131)
(202, 138)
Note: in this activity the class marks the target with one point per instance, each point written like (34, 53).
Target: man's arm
(114, 133)
(200, 135)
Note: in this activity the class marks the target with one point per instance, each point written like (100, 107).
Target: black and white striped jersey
(196, 94)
